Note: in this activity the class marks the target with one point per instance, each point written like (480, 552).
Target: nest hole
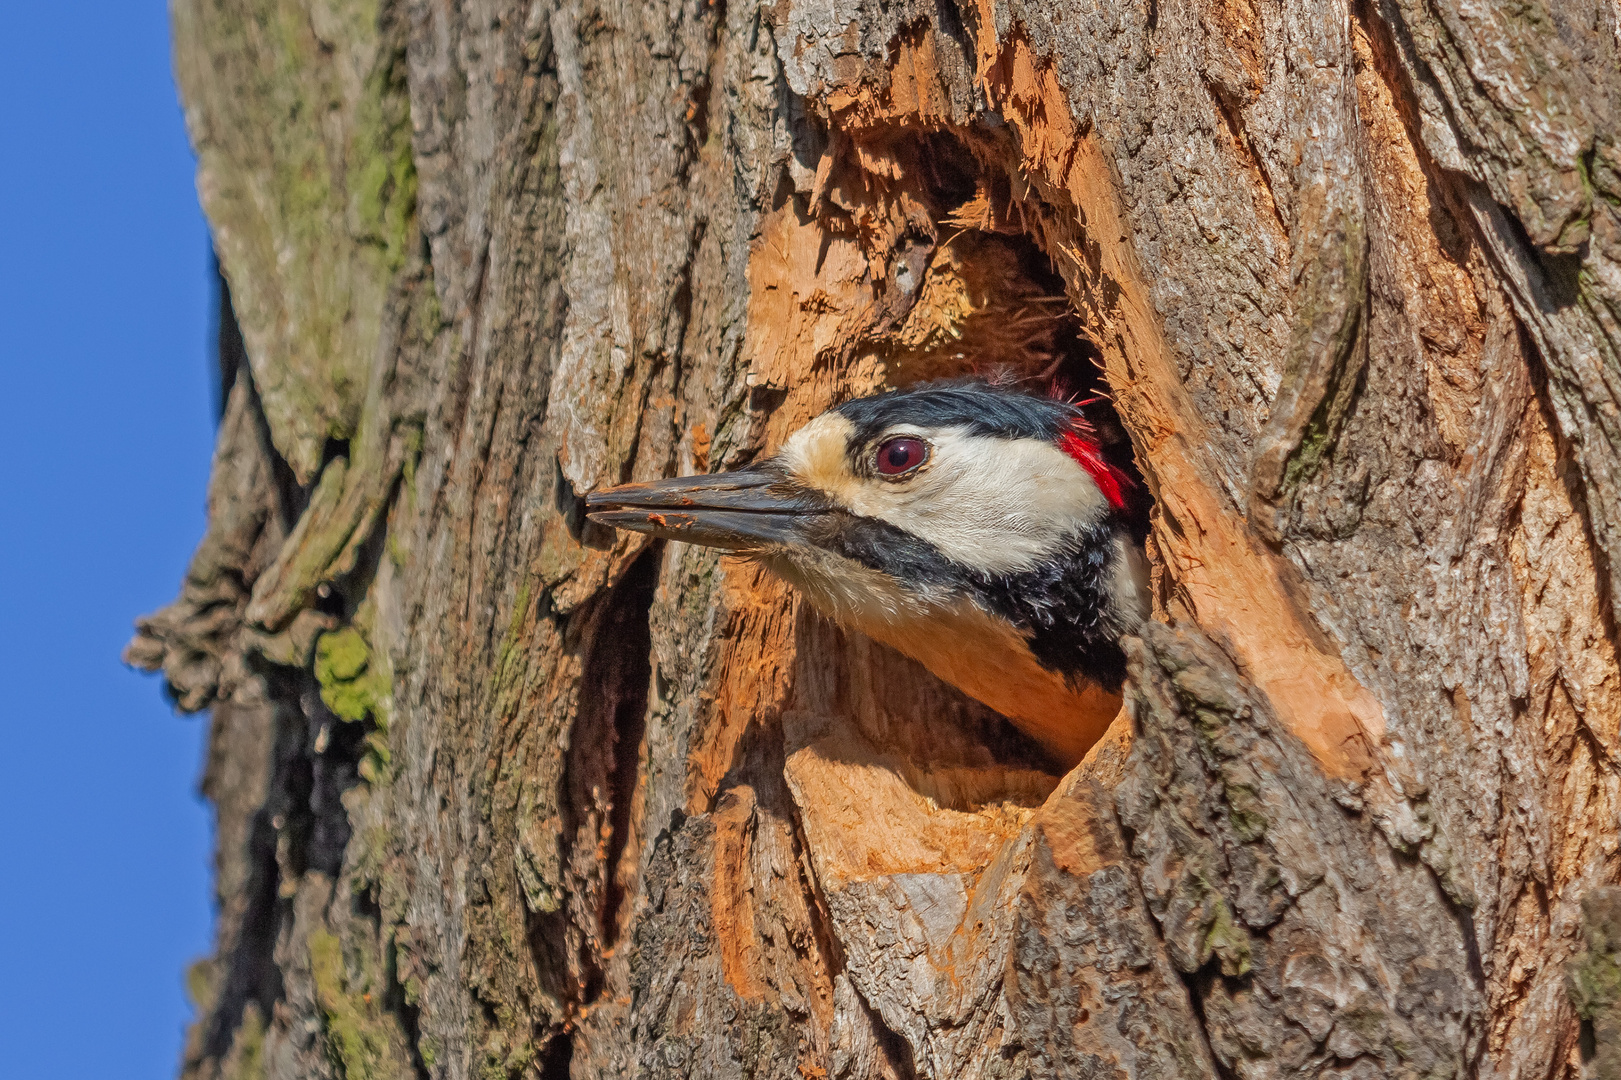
(968, 279)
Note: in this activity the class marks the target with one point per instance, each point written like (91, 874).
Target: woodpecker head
(978, 530)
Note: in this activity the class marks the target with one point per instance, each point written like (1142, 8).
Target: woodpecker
(979, 530)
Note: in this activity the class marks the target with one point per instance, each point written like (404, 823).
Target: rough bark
(500, 795)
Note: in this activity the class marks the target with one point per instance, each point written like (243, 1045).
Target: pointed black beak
(747, 510)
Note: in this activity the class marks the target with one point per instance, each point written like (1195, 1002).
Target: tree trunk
(502, 795)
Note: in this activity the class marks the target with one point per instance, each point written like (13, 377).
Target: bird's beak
(749, 509)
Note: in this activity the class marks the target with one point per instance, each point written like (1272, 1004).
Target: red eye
(901, 455)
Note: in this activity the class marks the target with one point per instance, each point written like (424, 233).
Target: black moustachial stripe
(1065, 607)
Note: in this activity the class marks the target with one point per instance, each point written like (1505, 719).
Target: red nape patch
(1111, 481)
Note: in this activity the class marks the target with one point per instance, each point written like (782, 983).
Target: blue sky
(106, 426)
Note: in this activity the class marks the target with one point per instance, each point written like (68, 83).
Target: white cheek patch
(998, 505)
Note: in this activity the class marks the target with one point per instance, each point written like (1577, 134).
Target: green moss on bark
(352, 686)
(246, 1060)
(363, 1040)
(356, 684)
(301, 119)
(1593, 980)
(1226, 940)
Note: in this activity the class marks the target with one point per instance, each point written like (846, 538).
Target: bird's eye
(901, 455)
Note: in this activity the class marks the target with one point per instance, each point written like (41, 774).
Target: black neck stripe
(1064, 607)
